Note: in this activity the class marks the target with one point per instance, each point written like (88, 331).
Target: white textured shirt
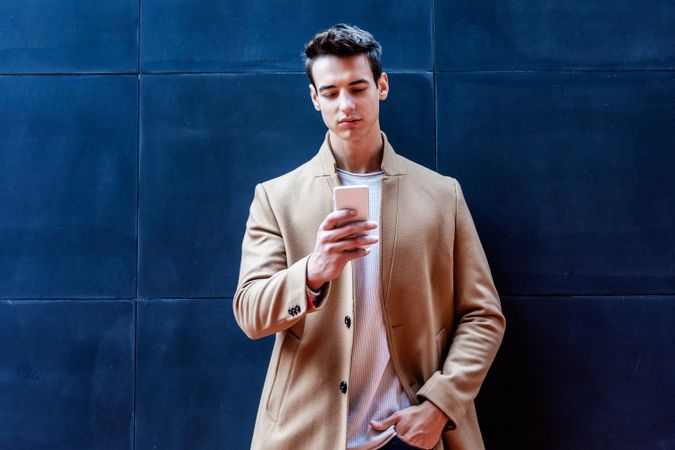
(375, 391)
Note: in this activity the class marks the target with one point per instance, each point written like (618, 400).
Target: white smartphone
(352, 197)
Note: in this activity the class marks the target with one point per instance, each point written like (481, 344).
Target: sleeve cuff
(434, 391)
(315, 298)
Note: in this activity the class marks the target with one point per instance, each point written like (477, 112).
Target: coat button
(348, 321)
(343, 387)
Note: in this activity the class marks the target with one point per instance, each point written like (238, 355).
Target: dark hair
(344, 40)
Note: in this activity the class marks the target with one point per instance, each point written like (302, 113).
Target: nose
(346, 102)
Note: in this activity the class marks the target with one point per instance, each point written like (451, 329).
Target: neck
(362, 156)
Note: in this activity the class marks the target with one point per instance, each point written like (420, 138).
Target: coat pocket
(282, 375)
(441, 352)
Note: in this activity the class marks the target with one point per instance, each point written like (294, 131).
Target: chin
(349, 135)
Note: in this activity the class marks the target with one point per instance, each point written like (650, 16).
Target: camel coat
(441, 310)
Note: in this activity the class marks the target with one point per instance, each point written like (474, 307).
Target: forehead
(335, 70)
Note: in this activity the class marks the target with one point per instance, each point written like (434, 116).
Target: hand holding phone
(342, 236)
(352, 197)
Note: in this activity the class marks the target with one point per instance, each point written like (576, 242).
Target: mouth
(349, 122)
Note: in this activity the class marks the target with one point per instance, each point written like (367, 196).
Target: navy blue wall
(132, 133)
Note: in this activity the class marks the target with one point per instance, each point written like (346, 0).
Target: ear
(314, 96)
(383, 86)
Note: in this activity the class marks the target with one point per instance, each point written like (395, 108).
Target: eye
(360, 90)
(329, 95)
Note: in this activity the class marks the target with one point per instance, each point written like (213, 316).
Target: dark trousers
(397, 444)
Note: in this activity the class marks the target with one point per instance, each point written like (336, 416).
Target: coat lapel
(388, 223)
(389, 206)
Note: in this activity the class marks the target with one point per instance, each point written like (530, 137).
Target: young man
(381, 342)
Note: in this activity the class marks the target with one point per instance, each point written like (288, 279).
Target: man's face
(347, 96)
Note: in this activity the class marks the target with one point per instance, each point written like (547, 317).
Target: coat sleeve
(270, 295)
(479, 323)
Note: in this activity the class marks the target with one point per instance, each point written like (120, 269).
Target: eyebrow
(332, 86)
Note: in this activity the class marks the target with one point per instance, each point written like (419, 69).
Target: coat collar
(325, 164)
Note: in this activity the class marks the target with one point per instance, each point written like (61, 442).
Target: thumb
(385, 423)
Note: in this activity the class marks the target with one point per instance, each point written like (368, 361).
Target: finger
(356, 253)
(348, 245)
(336, 217)
(385, 423)
(360, 227)
(348, 255)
